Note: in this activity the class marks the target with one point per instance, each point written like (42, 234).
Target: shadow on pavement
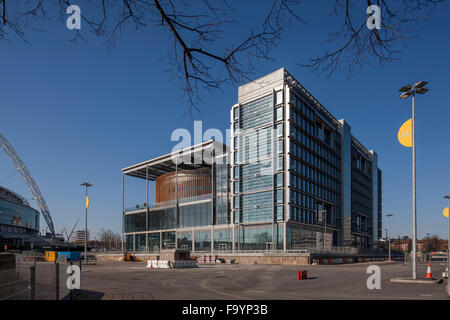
(87, 295)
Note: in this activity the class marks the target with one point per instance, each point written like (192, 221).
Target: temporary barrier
(184, 264)
(51, 255)
(69, 255)
(163, 264)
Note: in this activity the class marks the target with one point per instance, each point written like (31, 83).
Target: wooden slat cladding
(191, 183)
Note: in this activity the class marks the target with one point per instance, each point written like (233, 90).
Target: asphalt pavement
(132, 281)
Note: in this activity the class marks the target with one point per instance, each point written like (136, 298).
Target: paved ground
(132, 280)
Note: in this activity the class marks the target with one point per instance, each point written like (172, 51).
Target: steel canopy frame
(152, 169)
(9, 150)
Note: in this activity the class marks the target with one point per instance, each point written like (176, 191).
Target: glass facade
(314, 168)
(292, 171)
(154, 241)
(195, 215)
(202, 240)
(17, 218)
(255, 147)
(223, 240)
(299, 237)
(222, 191)
(184, 240)
(361, 217)
(258, 237)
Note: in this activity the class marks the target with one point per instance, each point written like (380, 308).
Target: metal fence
(305, 250)
(33, 280)
(423, 258)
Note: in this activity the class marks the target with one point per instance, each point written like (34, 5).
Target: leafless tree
(109, 239)
(357, 45)
(202, 58)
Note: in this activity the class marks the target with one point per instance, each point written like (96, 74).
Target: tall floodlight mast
(29, 181)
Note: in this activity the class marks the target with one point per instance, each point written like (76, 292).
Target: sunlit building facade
(300, 179)
(293, 178)
(191, 208)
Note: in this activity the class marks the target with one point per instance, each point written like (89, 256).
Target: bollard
(81, 276)
(302, 275)
(32, 282)
(57, 280)
(71, 290)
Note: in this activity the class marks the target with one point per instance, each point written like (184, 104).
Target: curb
(419, 281)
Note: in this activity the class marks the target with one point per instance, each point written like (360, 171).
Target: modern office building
(296, 178)
(191, 208)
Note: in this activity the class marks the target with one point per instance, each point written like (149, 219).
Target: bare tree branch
(356, 48)
(203, 58)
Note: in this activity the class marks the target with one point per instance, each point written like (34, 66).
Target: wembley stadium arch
(11, 153)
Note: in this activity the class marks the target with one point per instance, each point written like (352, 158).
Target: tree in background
(109, 239)
(434, 243)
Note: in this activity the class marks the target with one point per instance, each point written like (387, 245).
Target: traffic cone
(429, 276)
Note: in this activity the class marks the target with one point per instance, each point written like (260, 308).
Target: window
(236, 112)
(279, 212)
(279, 129)
(327, 137)
(279, 180)
(236, 217)
(279, 112)
(236, 172)
(236, 186)
(236, 202)
(279, 97)
(319, 131)
(280, 163)
(280, 146)
(279, 196)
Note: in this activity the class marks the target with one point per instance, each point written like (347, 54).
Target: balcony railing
(169, 203)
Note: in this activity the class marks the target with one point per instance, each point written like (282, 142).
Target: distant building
(19, 222)
(400, 244)
(79, 237)
(432, 244)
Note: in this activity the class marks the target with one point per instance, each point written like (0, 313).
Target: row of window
(188, 216)
(302, 107)
(303, 215)
(317, 148)
(313, 174)
(314, 189)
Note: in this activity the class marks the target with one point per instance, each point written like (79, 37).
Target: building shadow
(85, 295)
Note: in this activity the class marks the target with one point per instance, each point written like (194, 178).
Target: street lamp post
(389, 234)
(448, 246)
(408, 90)
(87, 185)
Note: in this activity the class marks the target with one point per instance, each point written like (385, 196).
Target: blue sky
(82, 112)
